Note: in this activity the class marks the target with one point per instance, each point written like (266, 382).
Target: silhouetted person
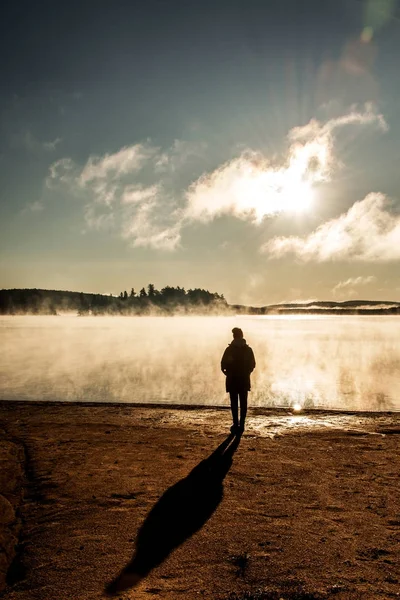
(237, 363)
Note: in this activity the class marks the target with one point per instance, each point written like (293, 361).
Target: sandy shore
(159, 501)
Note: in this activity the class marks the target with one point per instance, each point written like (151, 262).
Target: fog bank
(347, 363)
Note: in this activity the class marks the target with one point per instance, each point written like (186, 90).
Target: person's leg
(243, 408)
(234, 408)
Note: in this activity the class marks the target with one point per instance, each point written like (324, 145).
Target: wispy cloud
(149, 218)
(98, 220)
(60, 172)
(129, 159)
(354, 281)
(180, 153)
(347, 287)
(29, 142)
(117, 196)
(50, 146)
(366, 232)
(136, 194)
(144, 230)
(33, 207)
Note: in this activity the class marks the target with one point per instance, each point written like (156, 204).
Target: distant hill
(350, 307)
(171, 300)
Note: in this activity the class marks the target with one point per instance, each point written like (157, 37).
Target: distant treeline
(170, 300)
(165, 301)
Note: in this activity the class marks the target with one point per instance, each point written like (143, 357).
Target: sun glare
(288, 189)
(297, 197)
(268, 192)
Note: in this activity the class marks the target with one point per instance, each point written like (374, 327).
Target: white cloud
(129, 159)
(145, 229)
(116, 197)
(316, 130)
(140, 185)
(149, 218)
(99, 221)
(366, 232)
(147, 235)
(102, 191)
(252, 187)
(135, 194)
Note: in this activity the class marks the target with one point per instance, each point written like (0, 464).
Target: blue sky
(250, 148)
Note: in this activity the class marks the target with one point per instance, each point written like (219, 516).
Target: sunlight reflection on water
(264, 423)
(330, 362)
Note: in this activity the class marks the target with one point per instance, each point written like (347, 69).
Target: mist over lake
(345, 363)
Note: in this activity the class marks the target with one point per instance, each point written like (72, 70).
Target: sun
(297, 197)
(268, 192)
(261, 189)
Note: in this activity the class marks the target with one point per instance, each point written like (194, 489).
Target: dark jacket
(237, 363)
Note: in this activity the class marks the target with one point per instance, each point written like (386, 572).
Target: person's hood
(239, 343)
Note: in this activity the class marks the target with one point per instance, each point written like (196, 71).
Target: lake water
(330, 362)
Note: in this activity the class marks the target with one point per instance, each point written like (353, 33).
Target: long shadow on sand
(181, 511)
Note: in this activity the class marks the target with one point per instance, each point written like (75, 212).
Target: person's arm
(224, 362)
(252, 360)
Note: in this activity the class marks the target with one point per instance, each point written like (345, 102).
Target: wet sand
(301, 507)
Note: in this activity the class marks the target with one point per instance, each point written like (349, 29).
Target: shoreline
(276, 410)
(305, 506)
